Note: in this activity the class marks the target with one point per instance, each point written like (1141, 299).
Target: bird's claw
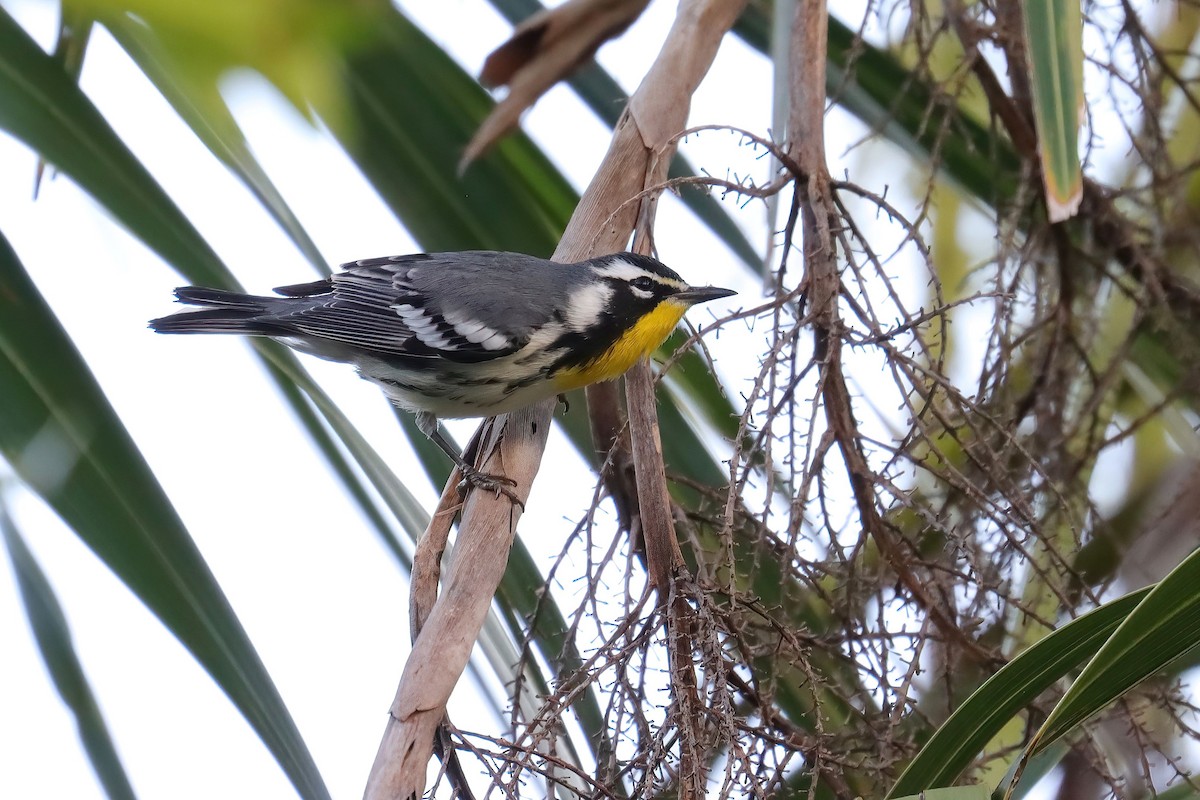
(498, 484)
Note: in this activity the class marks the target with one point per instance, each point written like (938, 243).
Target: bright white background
(322, 600)
(324, 603)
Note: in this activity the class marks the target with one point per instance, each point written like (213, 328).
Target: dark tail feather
(202, 296)
(228, 312)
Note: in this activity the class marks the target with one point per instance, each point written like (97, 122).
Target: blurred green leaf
(511, 199)
(698, 384)
(437, 464)
(605, 97)
(399, 500)
(65, 442)
(50, 629)
(403, 506)
(1184, 790)
(43, 107)
(1164, 626)
(683, 451)
(957, 741)
(200, 104)
(74, 33)
(874, 86)
(533, 616)
(1054, 42)
(293, 44)
(1039, 767)
(952, 793)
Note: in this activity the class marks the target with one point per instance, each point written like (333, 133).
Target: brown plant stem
(602, 223)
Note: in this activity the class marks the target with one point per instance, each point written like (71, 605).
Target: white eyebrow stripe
(624, 270)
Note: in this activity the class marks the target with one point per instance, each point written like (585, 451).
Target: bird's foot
(566, 404)
(498, 484)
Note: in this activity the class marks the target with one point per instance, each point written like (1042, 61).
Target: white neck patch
(586, 304)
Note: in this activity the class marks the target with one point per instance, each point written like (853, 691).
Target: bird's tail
(224, 312)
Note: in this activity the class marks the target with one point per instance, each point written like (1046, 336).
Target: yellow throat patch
(632, 346)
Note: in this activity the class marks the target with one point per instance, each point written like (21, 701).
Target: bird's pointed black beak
(701, 294)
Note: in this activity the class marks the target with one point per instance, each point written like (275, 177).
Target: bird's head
(626, 307)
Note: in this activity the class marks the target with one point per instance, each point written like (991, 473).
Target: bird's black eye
(643, 283)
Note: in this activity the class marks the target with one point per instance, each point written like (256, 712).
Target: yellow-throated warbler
(470, 334)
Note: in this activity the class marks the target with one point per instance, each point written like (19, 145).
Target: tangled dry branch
(917, 486)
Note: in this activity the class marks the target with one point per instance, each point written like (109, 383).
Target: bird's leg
(566, 404)
(476, 477)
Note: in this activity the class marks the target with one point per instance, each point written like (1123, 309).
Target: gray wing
(468, 307)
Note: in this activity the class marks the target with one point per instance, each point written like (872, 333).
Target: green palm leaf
(66, 443)
(50, 629)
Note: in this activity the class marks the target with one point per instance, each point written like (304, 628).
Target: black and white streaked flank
(462, 334)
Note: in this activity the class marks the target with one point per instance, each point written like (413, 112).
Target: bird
(464, 334)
